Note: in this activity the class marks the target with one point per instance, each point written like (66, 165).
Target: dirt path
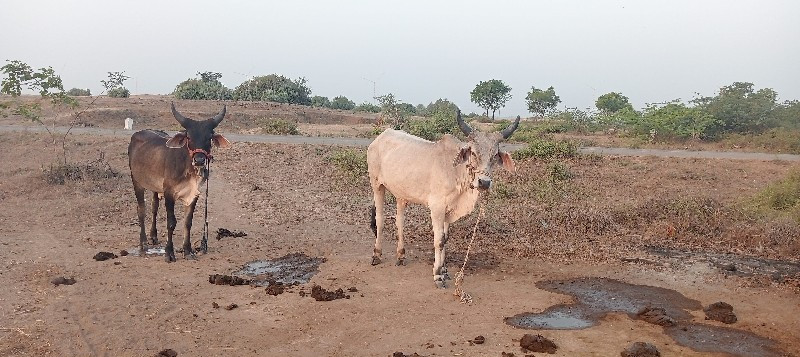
(361, 142)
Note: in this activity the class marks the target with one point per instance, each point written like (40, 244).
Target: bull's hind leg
(401, 215)
(378, 191)
(169, 250)
(188, 252)
(139, 191)
(153, 229)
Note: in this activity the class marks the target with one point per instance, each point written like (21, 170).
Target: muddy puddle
(597, 297)
(290, 269)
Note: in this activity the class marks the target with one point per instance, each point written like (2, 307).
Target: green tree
(612, 102)
(341, 102)
(441, 105)
(542, 102)
(739, 108)
(320, 101)
(675, 120)
(208, 87)
(491, 95)
(274, 88)
(77, 92)
(392, 111)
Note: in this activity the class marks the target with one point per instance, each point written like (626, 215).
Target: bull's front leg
(153, 229)
(140, 214)
(169, 250)
(400, 220)
(188, 252)
(439, 239)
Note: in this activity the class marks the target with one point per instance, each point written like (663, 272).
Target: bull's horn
(510, 130)
(461, 124)
(180, 118)
(217, 119)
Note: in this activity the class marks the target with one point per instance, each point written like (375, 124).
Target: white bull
(446, 176)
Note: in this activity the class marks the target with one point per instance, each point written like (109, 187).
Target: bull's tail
(372, 223)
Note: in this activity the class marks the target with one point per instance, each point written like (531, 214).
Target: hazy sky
(651, 51)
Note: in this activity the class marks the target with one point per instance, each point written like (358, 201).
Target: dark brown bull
(173, 168)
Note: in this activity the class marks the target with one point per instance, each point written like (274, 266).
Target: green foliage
(201, 89)
(574, 119)
(440, 123)
(674, 120)
(558, 172)
(739, 109)
(279, 127)
(44, 80)
(320, 102)
(502, 191)
(341, 102)
(491, 95)
(547, 149)
(786, 114)
(440, 105)
(115, 80)
(367, 107)
(612, 102)
(209, 76)
(392, 111)
(274, 88)
(542, 102)
(119, 92)
(350, 162)
(782, 197)
(77, 92)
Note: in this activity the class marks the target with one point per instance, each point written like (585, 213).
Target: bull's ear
(177, 141)
(508, 162)
(463, 155)
(220, 141)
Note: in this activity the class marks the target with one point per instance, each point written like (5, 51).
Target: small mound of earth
(641, 349)
(320, 294)
(123, 253)
(101, 256)
(537, 343)
(401, 354)
(231, 307)
(720, 311)
(656, 316)
(222, 233)
(62, 281)
(221, 279)
(478, 340)
(275, 289)
(167, 353)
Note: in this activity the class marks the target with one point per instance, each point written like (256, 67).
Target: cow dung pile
(720, 311)
(640, 349)
(320, 294)
(101, 256)
(656, 316)
(220, 279)
(537, 343)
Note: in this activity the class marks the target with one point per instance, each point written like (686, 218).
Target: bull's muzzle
(199, 160)
(484, 183)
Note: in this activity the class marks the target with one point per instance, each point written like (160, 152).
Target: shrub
(341, 102)
(59, 174)
(440, 123)
(119, 92)
(77, 92)
(274, 88)
(785, 140)
(367, 108)
(547, 149)
(320, 101)
(782, 196)
(350, 162)
(279, 127)
(199, 89)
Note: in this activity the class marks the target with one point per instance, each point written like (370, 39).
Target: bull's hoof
(401, 262)
(438, 280)
(153, 241)
(375, 260)
(170, 258)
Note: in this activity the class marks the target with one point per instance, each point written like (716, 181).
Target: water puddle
(597, 297)
(290, 269)
(158, 250)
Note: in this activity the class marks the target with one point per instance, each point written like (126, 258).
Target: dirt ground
(291, 199)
